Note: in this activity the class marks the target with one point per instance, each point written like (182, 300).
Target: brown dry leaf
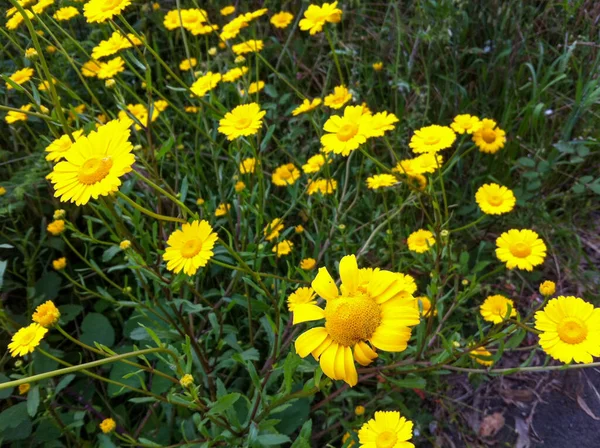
(583, 405)
(491, 424)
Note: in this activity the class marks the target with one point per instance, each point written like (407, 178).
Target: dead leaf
(583, 405)
(522, 429)
(491, 424)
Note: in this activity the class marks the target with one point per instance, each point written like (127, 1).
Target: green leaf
(12, 417)
(69, 312)
(97, 328)
(526, 162)
(46, 288)
(5, 393)
(224, 403)
(2, 269)
(64, 382)
(292, 361)
(33, 401)
(409, 382)
(110, 253)
(272, 439)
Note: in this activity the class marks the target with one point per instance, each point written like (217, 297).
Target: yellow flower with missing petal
(306, 106)
(285, 175)
(190, 248)
(26, 340)
(273, 229)
(482, 356)
(489, 138)
(340, 96)
(187, 64)
(99, 11)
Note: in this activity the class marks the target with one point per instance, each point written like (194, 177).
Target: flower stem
(148, 212)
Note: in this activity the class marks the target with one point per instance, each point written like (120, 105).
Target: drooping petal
(324, 285)
(364, 354)
(391, 339)
(307, 312)
(310, 340)
(349, 273)
(328, 360)
(351, 377)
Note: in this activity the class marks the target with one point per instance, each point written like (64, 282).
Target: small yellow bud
(108, 425)
(359, 410)
(110, 83)
(186, 380)
(547, 288)
(125, 244)
(24, 388)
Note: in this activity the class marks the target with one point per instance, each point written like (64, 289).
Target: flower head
(31, 53)
(273, 229)
(56, 227)
(315, 17)
(227, 10)
(24, 388)
(495, 308)
(59, 264)
(283, 248)
(205, 83)
(20, 76)
(187, 64)
(306, 106)
(378, 66)
(98, 11)
(282, 19)
(190, 248)
(382, 122)
(420, 241)
(243, 120)
(340, 96)
(247, 166)
(381, 181)
(233, 28)
(495, 199)
(66, 13)
(299, 228)
(125, 244)
(255, 87)
(115, 43)
(108, 425)
(234, 74)
(386, 430)
(26, 340)
(308, 264)
(111, 68)
(46, 314)
(432, 139)
(570, 329)
(90, 69)
(425, 305)
(250, 46)
(489, 138)
(285, 175)
(522, 249)
(346, 133)
(482, 356)
(466, 124)
(302, 296)
(321, 185)
(314, 164)
(547, 288)
(239, 186)
(14, 116)
(186, 380)
(222, 210)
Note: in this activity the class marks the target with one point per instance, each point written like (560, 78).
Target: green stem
(148, 212)
(335, 58)
(471, 224)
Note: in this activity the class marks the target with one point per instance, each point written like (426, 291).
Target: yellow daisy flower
(340, 96)
(243, 120)
(273, 229)
(161, 105)
(381, 181)
(227, 10)
(205, 83)
(13, 116)
(94, 164)
(250, 46)
(222, 210)
(115, 43)
(466, 124)
(66, 13)
(378, 66)
(256, 14)
(495, 308)
(45, 85)
(90, 69)
(187, 64)
(489, 138)
(125, 244)
(522, 249)
(20, 76)
(386, 430)
(432, 139)
(315, 17)
(139, 113)
(302, 296)
(98, 11)
(56, 227)
(186, 380)
(247, 166)
(31, 53)
(41, 6)
(233, 28)
(172, 20)
(346, 133)
(359, 410)
(235, 74)
(283, 248)
(308, 264)
(570, 329)
(190, 248)
(299, 228)
(425, 305)
(547, 288)
(26, 340)
(482, 356)
(46, 314)
(254, 87)
(111, 68)
(420, 241)
(306, 106)
(314, 164)
(285, 175)
(495, 199)
(282, 19)
(376, 311)
(382, 122)
(323, 186)
(426, 163)
(59, 264)
(58, 148)
(107, 425)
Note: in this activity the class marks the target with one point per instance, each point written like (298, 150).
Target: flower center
(432, 140)
(191, 248)
(386, 439)
(243, 123)
(495, 199)
(94, 170)
(28, 336)
(489, 135)
(349, 319)
(520, 250)
(572, 330)
(346, 132)
(109, 5)
(499, 310)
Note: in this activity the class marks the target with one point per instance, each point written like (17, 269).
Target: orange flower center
(350, 319)
(495, 199)
(520, 249)
(346, 132)
(572, 330)
(386, 439)
(243, 122)
(488, 135)
(191, 248)
(109, 5)
(94, 170)
(28, 336)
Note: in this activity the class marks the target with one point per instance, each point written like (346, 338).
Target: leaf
(526, 162)
(292, 361)
(2, 269)
(97, 328)
(409, 382)
(584, 406)
(69, 312)
(224, 403)
(12, 417)
(5, 393)
(110, 253)
(64, 382)
(33, 401)
(272, 439)
(47, 287)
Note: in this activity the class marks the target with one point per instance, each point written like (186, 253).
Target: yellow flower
(239, 186)
(250, 46)
(239, 59)
(172, 20)
(24, 388)
(306, 106)
(425, 306)
(161, 105)
(432, 139)
(495, 308)
(302, 296)
(346, 133)
(228, 10)
(308, 264)
(59, 264)
(234, 74)
(2, 191)
(114, 44)
(570, 329)
(340, 96)
(315, 17)
(98, 11)
(381, 181)
(323, 186)
(378, 66)
(94, 164)
(20, 76)
(299, 228)
(59, 214)
(255, 87)
(200, 201)
(382, 122)
(193, 19)
(17, 19)
(420, 241)
(548, 288)
(489, 138)
(314, 164)
(14, 116)
(56, 227)
(285, 175)
(90, 69)
(359, 410)
(247, 166)
(111, 68)
(190, 248)
(187, 64)
(222, 210)
(155, 6)
(46, 314)
(26, 340)
(205, 83)
(191, 109)
(465, 124)
(495, 199)
(386, 430)
(108, 424)
(283, 248)
(125, 244)
(256, 14)
(66, 13)
(51, 49)
(59, 147)
(273, 229)
(41, 6)
(282, 19)
(186, 380)
(376, 310)
(31, 53)
(233, 28)
(522, 249)
(212, 51)
(243, 120)
(140, 113)
(481, 356)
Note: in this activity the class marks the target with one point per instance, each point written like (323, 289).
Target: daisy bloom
(382, 122)
(522, 249)
(570, 329)
(346, 133)
(248, 165)
(282, 19)
(465, 124)
(432, 139)
(59, 264)
(250, 46)
(420, 241)
(66, 13)
(548, 288)
(90, 69)
(306, 106)
(340, 96)
(13, 116)
(140, 113)
(46, 314)
(285, 175)
(24, 388)
(186, 380)
(386, 430)
(233, 28)
(489, 138)
(482, 356)
(256, 14)
(17, 19)
(273, 229)
(190, 248)
(161, 105)
(26, 340)
(359, 410)
(222, 210)
(59, 214)
(283, 248)
(40, 6)
(56, 227)
(2, 191)
(205, 83)
(425, 304)
(107, 425)
(102, 10)
(57, 149)
(381, 180)
(314, 164)
(94, 164)
(243, 120)
(308, 264)
(111, 68)
(115, 43)
(234, 74)
(125, 244)
(426, 163)
(302, 296)
(45, 85)
(191, 109)
(494, 199)
(227, 10)
(370, 306)
(239, 186)
(315, 17)
(172, 20)
(31, 53)
(20, 76)
(378, 66)
(495, 308)
(212, 51)
(187, 64)
(255, 87)
(323, 186)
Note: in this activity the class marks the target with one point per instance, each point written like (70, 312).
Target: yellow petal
(328, 360)
(310, 340)
(364, 354)
(351, 376)
(391, 339)
(307, 312)
(349, 273)
(321, 348)
(324, 285)
(340, 364)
